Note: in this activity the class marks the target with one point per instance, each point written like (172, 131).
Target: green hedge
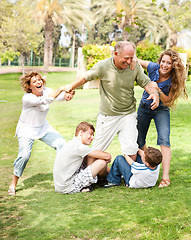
(148, 51)
(95, 53)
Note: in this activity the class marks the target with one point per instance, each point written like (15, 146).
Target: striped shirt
(143, 176)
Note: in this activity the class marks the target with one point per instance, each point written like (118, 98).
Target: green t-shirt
(116, 86)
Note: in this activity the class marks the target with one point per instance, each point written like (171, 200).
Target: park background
(41, 35)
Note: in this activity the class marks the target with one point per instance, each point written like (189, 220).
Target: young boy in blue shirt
(141, 174)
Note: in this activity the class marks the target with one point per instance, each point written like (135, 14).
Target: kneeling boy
(69, 175)
(141, 174)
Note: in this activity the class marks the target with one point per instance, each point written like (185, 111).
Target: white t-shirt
(68, 161)
(143, 176)
(32, 122)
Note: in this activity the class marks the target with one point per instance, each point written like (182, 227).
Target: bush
(148, 51)
(8, 55)
(95, 53)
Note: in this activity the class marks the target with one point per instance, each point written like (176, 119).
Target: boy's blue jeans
(119, 168)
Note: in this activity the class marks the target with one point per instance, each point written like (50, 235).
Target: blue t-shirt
(153, 73)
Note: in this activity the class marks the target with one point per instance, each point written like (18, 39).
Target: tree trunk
(73, 48)
(50, 55)
(125, 35)
(48, 43)
(22, 63)
(173, 40)
(125, 25)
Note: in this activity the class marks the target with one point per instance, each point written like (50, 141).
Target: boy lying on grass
(69, 174)
(141, 174)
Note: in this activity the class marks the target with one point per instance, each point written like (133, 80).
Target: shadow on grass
(44, 180)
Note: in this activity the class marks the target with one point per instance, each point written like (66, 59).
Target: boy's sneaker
(109, 184)
(102, 181)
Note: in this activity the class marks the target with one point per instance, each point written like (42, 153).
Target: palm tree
(130, 14)
(133, 13)
(177, 15)
(55, 12)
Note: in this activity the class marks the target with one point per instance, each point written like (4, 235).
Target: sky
(64, 39)
(184, 39)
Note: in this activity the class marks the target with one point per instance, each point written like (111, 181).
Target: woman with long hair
(170, 76)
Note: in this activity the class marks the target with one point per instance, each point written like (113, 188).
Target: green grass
(37, 212)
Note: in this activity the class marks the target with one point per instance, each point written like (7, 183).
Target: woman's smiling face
(166, 65)
(36, 85)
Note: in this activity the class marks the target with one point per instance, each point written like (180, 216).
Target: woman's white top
(32, 122)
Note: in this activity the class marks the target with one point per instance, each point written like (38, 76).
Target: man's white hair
(120, 45)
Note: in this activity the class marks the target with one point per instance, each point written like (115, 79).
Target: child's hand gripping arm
(128, 159)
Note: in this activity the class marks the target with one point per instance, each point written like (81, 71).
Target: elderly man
(117, 113)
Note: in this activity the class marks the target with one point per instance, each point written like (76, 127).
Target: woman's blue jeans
(53, 139)
(161, 117)
(119, 168)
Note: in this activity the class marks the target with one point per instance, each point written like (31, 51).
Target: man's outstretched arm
(152, 89)
(77, 83)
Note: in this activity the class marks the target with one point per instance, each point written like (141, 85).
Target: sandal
(87, 189)
(11, 191)
(164, 183)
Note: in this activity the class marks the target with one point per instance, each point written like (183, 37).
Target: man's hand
(67, 88)
(133, 63)
(155, 97)
(69, 96)
(152, 89)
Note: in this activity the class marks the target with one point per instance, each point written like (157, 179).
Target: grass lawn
(37, 212)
